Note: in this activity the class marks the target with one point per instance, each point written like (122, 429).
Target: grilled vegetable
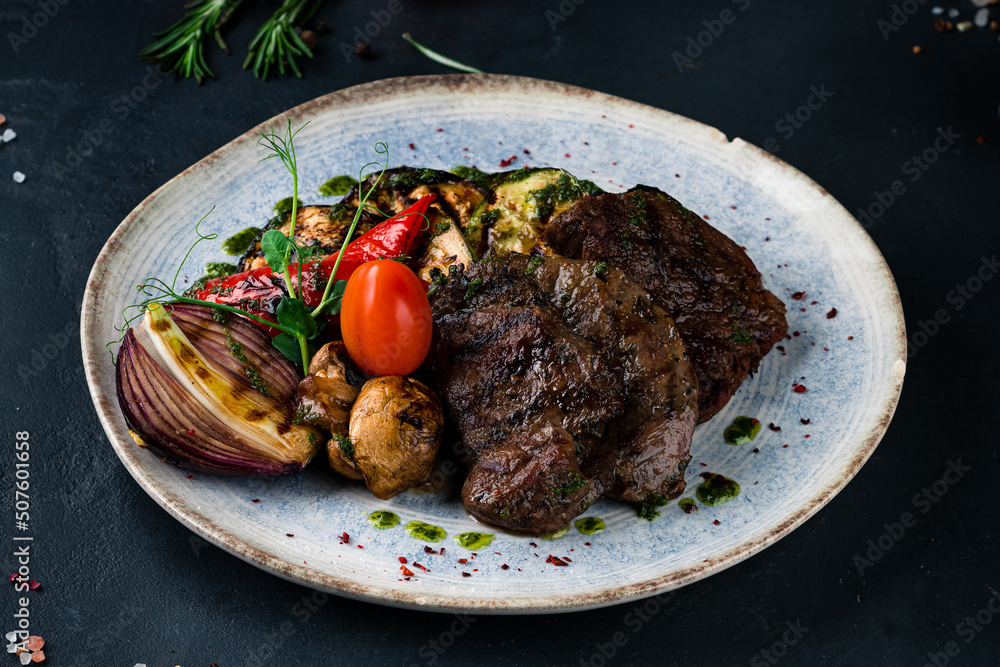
(515, 215)
(323, 226)
(396, 427)
(207, 405)
(447, 247)
(325, 399)
(401, 186)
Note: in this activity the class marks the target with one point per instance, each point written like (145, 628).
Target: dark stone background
(123, 583)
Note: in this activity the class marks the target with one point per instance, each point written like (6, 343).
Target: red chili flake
(767, 218)
(463, 560)
(705, 216)
(798, 296)
(805, 421)
(568, 155)
(190, 476)
(982, 140)
(614, 163)
(402, 560)
(767, 238)
(803, 310)
(567, 559)
(716, 522)
(13, 577)
(533, 544)
(784, 446)
(420, 566)
(826, 349)
(850, 338)
(505, 567)
(440, 129)
(832, 314)
(442, 550)
(677, 175)
(289, 535)
(191, 431)
(466, 574)
(782, 348)
(406, 572)
(813, 303)
(756, 451)
(796, 333)
(630, 125)
(776, 429)
(497, 553)
(345, 538)
(555, 560)
(255, 500)
(704, 465)
(428, 550)
(733, 207)
(508, 162)
(527, 152)
(360, 547)
(475, 569)
(413, 147)
(743, 247)
(586, 544)
(800, 389)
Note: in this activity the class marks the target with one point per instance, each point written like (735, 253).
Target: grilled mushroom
(395, 431)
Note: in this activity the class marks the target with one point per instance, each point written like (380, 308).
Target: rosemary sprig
(277, 43)
(181, 47)
(441, 59)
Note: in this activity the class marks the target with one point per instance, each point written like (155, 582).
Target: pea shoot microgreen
(297, 324)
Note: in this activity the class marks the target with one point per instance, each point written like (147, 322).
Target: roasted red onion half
(211, 394)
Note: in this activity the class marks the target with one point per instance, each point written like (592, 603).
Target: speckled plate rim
(873, 264)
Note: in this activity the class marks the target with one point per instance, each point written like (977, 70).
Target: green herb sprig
(440, 59)
(181, 47)
(277, 43)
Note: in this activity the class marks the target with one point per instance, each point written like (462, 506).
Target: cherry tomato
(385, 318)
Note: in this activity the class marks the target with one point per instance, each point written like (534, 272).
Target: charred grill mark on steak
(562, 389)
(728, 320)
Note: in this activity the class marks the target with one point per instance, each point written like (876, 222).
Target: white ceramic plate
(800, 238)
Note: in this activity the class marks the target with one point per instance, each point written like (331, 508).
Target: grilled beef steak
(699, 275)
(566, 384)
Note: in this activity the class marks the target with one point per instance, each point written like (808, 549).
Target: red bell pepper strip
(259, 291)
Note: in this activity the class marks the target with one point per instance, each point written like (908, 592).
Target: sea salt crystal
(937, 11)
(982, 3)
(18, 177)
(953, 13)
(982, 18)
(8, 135)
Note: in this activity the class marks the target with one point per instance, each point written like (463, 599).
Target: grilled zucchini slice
(446, 247)
(516, 214)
